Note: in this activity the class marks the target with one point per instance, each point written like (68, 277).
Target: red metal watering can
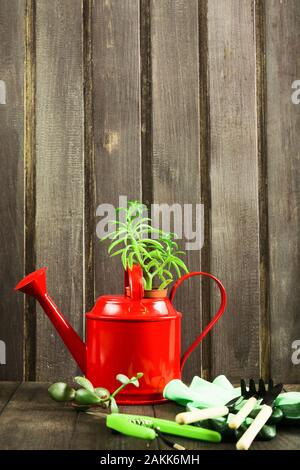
(126, 334)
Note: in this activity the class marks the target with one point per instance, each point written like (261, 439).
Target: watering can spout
(35, 285)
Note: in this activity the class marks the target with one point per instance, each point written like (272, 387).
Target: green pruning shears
(146, 427)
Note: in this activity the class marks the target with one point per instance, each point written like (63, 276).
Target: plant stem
(118, 390)
(122, 386)
(148, 281)
(160, 268)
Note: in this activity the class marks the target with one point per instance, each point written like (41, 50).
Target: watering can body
(134, 336)
(126, 334)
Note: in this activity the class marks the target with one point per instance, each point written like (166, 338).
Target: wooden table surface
(29, 419)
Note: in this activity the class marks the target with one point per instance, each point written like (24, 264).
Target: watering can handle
(134, 280)
(215, 318)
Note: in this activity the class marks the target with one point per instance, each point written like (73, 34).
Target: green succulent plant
(87, 396)
(131, 240)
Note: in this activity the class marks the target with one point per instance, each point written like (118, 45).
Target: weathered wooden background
(167, 101)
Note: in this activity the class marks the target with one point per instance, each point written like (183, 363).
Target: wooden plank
(287, 439)
(45, 424)
(91, 433)
(7, 390)
(116, 98)
(30, 188)
(205, 182)
(176, 135)
(32, 420)
(89, 165)
(11, 185)
(146, 100)
(283, 140)
(59, 175)
(234, 185)
(265, 349)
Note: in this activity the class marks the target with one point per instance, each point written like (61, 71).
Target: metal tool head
(264, 391)
(272, 394)
(232, 403)
(245, 393)
(250, 391)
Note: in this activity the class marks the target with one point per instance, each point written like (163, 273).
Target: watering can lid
(122, 307)
(132, 305)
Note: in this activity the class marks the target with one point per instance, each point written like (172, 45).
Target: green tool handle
(119, 423)
(186, 430)
(126, 425)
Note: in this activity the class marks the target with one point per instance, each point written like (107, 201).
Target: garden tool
(196, 415)
(145, 427)
(266, 411)
(126, 333)
(253, 396)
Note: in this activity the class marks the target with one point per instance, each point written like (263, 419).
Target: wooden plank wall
(116, 118)
(234, 182)
(167, 101)
(11, 185)
(283, 141)
(59, 174)
(176, 132)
